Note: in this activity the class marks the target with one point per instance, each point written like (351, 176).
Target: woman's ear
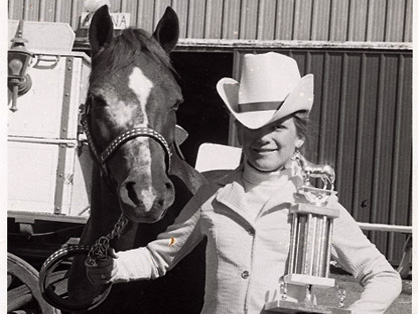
(299, 143)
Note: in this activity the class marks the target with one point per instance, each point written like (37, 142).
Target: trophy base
(303, 280)
(282, 306)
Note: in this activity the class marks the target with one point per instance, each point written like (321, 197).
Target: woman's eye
(279, 126)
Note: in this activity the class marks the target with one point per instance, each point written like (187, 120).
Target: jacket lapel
(232, 195)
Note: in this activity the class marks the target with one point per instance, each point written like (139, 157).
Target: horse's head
(130, 112)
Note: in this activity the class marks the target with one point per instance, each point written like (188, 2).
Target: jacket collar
(232, 194)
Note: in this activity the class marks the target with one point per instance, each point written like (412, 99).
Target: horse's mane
(124, 49)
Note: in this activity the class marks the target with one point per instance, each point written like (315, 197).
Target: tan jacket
(245, 258)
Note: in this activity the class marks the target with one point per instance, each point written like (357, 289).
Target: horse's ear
(101, 30)
(167, 30)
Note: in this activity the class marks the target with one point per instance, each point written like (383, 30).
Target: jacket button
(245, 274)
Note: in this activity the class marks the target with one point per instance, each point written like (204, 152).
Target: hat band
(259, 106)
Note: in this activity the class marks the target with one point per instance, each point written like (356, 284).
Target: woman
(245, 215)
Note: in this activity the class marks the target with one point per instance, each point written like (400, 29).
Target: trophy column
(310, 248)
(310, 244)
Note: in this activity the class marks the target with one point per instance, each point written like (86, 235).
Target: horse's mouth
(139, 216)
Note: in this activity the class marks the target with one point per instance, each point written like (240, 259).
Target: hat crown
(270, 89)
(268, 77)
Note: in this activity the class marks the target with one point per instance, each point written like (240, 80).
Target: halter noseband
(101, 158)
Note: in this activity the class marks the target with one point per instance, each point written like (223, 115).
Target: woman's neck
(254, 176)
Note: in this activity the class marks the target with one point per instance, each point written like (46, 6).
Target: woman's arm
(166, 251)
(158, 256)
(356, 254)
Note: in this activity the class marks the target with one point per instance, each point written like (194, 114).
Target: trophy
(310, 243)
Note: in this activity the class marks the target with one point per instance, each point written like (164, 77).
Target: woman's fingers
(102, 272)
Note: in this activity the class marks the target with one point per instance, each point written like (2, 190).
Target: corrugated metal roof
(328, 20)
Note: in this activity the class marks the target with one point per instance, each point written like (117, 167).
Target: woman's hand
(104, 271)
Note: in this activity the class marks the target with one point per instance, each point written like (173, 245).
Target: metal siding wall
(284, 19)
(339, 20)
(357, 20)
(231, 19)
(213, 19)
(395, 13)
(302, 19)
(182, 7)
(407, 25)
(402, 160)
(375, 19)
(320, 20)
(145, 15)
(249, 13)
(363, 110)
(333, 20)
(267, 20)
(196, 19)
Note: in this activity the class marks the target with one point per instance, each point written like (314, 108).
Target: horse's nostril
(130, 187)
(168, 186)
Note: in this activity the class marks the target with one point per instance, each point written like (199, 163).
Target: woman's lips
(264, 150)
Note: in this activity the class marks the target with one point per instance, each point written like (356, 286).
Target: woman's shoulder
(222, 177)
(216, 179)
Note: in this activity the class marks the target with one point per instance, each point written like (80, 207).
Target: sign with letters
(120, 20)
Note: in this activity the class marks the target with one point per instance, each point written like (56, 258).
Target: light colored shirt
(246, 254)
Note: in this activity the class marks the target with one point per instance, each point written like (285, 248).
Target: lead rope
(98, 251)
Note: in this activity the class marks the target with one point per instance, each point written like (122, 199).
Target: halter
(101, 158)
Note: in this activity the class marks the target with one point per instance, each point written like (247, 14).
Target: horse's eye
(98, 101)
(175, 107)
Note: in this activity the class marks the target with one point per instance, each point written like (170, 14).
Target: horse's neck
(186, 173)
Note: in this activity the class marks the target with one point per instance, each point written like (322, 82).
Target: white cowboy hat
(270, 88)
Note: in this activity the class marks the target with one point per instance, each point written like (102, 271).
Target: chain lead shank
(100, 249)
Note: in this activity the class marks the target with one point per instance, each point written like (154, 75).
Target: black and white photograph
(208, 157)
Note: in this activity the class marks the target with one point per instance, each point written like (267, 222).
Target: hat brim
(300, 99)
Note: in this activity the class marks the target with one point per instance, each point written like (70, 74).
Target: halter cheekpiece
(101, 158)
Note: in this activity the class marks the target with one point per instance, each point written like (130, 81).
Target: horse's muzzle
(145, 205)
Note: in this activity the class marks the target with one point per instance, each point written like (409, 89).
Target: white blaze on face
(142, 87)
(123, 116)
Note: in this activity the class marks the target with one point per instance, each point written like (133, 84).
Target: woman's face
(270, 147)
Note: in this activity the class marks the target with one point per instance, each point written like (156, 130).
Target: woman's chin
(265, 167)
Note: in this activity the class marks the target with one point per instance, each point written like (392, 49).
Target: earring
(296, 153)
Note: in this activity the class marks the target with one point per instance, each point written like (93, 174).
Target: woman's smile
(265, 150)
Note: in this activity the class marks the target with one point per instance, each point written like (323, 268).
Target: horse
(313, 171)
(130, 121)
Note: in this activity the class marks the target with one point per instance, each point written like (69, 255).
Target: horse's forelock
(124, 50)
